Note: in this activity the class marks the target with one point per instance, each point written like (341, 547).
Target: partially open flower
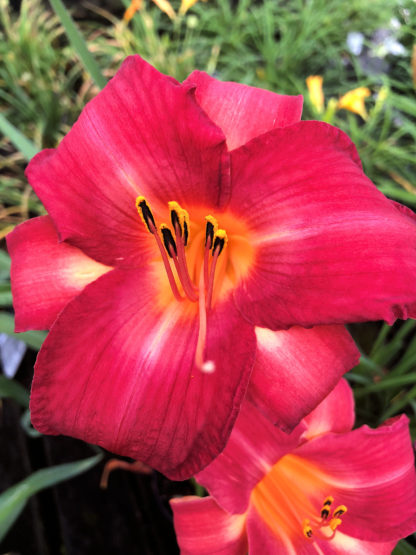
(316, 94)
(183, 218)
(321, 489)
(354, 101)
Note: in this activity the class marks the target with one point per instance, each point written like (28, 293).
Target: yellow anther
(213, 222)
(307, 530)
(220, 241)
(221, 234)
(339, 511)
(328, 501)
(145, 213)
(334, 523)
(173, 205)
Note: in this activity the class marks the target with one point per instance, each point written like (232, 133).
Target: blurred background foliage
(48, 73)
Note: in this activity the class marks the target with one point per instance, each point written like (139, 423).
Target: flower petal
(372, 473)
(287, 380)
(117, 370)
(144, 134)
(262, 540)
(45, 274)
(254, 446)
(334, 414)
(202, 527)
(241, 111)
(330, 248)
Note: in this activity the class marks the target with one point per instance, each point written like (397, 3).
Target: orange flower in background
(137, 5)
(316, 95)
(354, 101)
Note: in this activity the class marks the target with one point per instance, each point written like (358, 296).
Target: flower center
(198, 261)
(288, 498)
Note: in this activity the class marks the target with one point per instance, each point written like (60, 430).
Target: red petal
(334, 414)
(144, 134)
(262, 540)
(244, 112)
(372, 473)
(254, 446)
(330, 248)
(117, 370)
(202, 527)
(45, 274)
(296, 369)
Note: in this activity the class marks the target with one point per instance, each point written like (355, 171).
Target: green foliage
(13, 500)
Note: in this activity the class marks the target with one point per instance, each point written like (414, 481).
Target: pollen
(320, 527)
(146, 214)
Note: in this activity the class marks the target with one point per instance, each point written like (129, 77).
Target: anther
(324, 513)
(185, 224)
(220, 241)
(210, 230)
(328, 501)
(168, 241)
(339, 511)
(176, 216)
(146, 214)
(307, 530)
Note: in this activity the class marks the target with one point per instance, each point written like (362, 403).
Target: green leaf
(32, 338)
(13, 390)
(13, 500)
(26, 147)
(78, 43)
(27, 425)
(403, 548)
(5, 261)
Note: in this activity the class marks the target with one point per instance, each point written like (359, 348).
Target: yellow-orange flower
(316, 95)
(136, 5)
(354, 101)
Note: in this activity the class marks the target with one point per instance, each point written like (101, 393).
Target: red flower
(267, 221)
(321, 489)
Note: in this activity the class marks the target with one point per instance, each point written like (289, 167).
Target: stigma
(324, 526)
(172, 240)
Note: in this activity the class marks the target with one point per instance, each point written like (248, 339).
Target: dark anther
(209, 233)
(175, 221)
(185, 233)
(168, 241)
(324, 513)
(147, 216)
(218, 244)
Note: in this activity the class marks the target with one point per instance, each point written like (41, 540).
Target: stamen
(220, 241)
(176, 216)
(321, 528)
(147, 217)
(339, 511)
(209, 365)
(185, 224)
(145, 214)
(307, 530)
(169, 241)
(210, 230)
(180, 223)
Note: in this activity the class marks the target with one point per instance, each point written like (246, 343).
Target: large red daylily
(273, 224)
(321, 489)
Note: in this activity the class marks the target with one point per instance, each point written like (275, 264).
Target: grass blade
(78, 43)
(26, 147)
